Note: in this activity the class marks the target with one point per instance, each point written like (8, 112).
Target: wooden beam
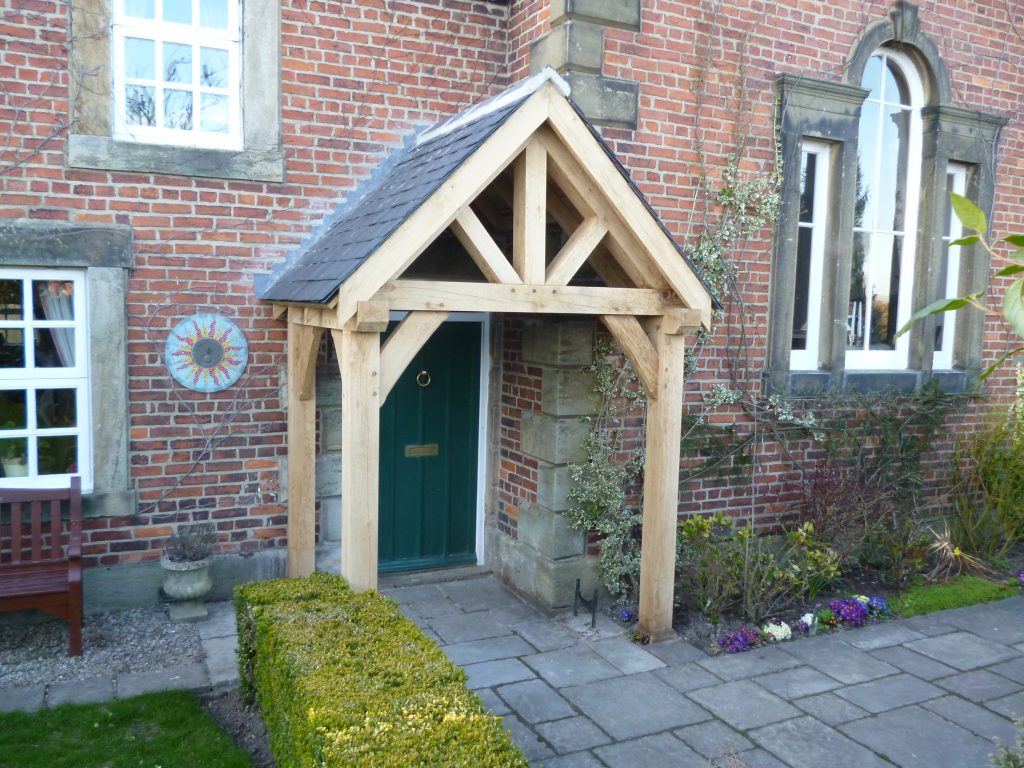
(437, 213)
(577, 139)
(303, 344)
(416, 295)
(529, 213)
(403, 344)
(661, 488)
(370, 317)
(638, 348)
(359, 358)
(576, 251)
(481, 247)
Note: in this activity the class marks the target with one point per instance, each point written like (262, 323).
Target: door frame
(484, 319)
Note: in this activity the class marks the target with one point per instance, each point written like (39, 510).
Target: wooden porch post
(359, 358)
(661, 480)
(303, 343)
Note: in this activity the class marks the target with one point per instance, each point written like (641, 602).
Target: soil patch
(243, 724)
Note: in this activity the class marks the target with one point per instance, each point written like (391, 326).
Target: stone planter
(187, 583)
(15, 467)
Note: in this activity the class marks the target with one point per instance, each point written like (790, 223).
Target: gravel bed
(135, 640)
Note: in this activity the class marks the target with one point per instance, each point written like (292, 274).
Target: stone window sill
(108, 504)
(105, 153)
(818, 383)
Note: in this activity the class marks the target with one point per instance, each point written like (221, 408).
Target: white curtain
(56, 299)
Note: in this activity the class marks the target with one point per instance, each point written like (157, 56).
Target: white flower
(777, 632)
(809, 619)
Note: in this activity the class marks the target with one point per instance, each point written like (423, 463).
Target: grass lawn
(961, 591)
(158, 730)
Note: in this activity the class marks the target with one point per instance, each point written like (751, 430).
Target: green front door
(428, 455)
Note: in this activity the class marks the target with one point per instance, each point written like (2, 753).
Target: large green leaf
(1017, 240)
(1013, 306)
(970, 215)
(969, 240)
(988, 371)
(937, 307)
(1010, 271)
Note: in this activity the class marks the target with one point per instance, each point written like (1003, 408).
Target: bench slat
(35, 579)
(37, 530)
(16, 532)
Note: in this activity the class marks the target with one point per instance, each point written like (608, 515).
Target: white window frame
(196, 37)
(807, 359)
(942, 359)
(29, 379)
(897, 359)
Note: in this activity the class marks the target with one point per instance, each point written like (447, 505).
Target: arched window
(885, 212)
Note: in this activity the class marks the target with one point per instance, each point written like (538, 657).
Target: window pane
(140, 105)
(141, 9)
(872, 79)
(13, 453)
(896, 91)
(177, 63)
(807, 187)
(215, 113)
(803, 288)
(55, 347)
(12, 409)
(867, 168)
(892, 174)
(53, 300)
(58, 455)
(178, 109)
(882, 277)
(213, 13)
(12, 348)
(55, 408)
(213, 68)
(178, 11)
(10, 300)
(139, 58)
(856, 323)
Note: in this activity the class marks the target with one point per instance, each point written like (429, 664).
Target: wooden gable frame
(651, 299)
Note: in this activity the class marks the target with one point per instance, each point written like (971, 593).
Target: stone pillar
(548, 557)
(575, 49)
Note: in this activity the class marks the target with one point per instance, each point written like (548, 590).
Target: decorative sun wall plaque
(206, 353)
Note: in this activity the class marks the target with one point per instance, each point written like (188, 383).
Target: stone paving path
(929, 691)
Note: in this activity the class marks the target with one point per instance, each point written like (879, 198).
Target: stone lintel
(576, 45)
(25, 242)
(605, 100)
(610, 13)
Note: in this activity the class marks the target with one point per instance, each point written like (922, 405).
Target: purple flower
(850, 611)
(877, 605)
(625, 615)
(1020, 577)
(742, 639)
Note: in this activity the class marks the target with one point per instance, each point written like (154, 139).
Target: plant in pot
(186, 564)
(12, 454)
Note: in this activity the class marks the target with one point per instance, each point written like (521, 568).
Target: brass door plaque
(417, 451)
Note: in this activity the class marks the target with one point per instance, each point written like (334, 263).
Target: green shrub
(897, 549)
(961, 591)
(344, 679)
(722, 567)
(1011, 758)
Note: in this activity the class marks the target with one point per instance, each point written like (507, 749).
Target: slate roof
(314, 276)
(318, 273)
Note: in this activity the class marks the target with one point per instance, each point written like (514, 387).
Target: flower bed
(344, 679)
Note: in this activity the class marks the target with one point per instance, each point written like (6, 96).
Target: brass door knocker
(423, 378)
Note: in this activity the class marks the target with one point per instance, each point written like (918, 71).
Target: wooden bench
(40, 561)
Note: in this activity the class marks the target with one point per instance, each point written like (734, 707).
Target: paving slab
(976, 719)
(913, 737)
(1013, 669)
(488, 674)
(929, 624)
(479, 594)
(535, 701)
(491, 649)
(577, 760)
(545, 635)
(26, 698)
(516, 613)
(979, 685)
(963, 650)
(830, 709)
(677, 652)
(743, 704)
(571, 666)
(992, 624)
(807, 743)
(221, 622)
(626, 655)
(916, 664)
(632, 706)
(528, 742)
(221, 659)
(687, 677)
(840, 660)
(754, 758)
(754, 663)
(190, 677)
(434, 609)
(91, 691)
(573, 734)
(660, 751)
(421, 593)
(713, 739)
(1011, 706)
(797, 682)
(467, 626)
(492, 702)
(881, 636)
(889, 693)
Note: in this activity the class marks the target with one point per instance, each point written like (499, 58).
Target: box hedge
(344, 679)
